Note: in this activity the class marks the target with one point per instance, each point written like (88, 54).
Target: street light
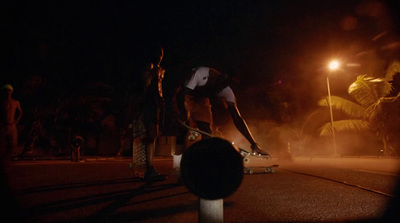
(333, 65)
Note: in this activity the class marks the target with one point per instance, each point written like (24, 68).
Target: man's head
(8, 87)
(156, 54)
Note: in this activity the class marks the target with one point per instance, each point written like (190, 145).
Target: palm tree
(368, 111)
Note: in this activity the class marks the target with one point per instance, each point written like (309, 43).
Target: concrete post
(211, 211)
(212, 169)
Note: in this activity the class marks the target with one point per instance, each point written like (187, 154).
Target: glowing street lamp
(333, 65)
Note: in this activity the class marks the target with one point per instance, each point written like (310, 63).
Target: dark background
(276, 51)
(256, 41)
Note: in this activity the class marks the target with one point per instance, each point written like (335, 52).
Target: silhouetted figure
(10, 115)
(33, 134)
(153, 110)
(76, 145)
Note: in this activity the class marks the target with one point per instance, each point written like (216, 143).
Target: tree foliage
(367, 111)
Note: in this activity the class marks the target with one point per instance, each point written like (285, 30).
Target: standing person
(193, 101)
(10, 115)
(153, 107)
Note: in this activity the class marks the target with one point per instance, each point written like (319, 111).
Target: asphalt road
(106, 191)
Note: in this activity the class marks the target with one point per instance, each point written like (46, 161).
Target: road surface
(104, 190)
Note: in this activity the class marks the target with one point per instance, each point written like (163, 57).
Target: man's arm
(240, 123)
(228, 96)
(181, 102)
(244, 129)
(19, 111)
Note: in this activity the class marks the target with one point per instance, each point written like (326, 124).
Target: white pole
(211, 211)
(331, 113)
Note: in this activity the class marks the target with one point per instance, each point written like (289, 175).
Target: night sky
(275, 50)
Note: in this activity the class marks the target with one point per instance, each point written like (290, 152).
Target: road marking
(378, 172)
(342, 182)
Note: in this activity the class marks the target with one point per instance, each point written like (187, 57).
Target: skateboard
(252, 163)
(193, 135)
(265, 169)
(193, 129)
(138, 147)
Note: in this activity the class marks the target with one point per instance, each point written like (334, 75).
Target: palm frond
(390, 99)
(352, 109)
(381, 86)
(393, 69)
(345, 125)
(362, 91)
(326, 130)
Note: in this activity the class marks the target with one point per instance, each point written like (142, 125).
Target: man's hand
(182, 117)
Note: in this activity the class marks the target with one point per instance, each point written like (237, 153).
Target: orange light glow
(333, 65)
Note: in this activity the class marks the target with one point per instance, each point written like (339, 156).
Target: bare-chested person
(10, 114)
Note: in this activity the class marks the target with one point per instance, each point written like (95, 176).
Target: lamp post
(333, 65)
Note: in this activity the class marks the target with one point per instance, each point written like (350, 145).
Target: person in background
(153, 110)
(10, 115)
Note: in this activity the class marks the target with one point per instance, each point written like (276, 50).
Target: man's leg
(178, 151)
(10, 136)
(151, 137)
(3, 144)
(180, 144)
(205, 127)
